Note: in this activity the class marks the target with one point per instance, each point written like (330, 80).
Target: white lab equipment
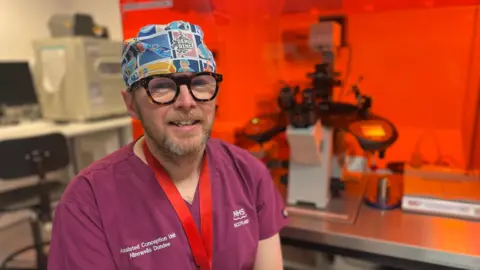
(311, 165)
(78, 78)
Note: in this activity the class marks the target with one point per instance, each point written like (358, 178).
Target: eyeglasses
(165, 88)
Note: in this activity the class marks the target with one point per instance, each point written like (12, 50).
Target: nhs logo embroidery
(240, 218)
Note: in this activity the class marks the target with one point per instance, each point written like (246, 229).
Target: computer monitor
(16, 84)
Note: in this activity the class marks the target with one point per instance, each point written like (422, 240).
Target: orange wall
(421, 66)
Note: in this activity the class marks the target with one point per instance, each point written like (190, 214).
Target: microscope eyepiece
(286, 99)
(309, 113)
(308, 97)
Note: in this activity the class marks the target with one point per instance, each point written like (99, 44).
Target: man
(174, 199)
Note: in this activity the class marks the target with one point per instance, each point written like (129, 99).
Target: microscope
(312, 122)
(312, 166)
(314, 173)
(315, 167)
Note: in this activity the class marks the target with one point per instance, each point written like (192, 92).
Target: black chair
(27, 157)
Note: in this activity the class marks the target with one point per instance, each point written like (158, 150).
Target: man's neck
(180, 169)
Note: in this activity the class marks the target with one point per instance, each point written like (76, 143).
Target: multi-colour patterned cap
(161, 49)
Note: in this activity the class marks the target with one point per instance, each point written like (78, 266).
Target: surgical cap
(162, 49)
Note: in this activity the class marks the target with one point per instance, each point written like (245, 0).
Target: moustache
(190, 116)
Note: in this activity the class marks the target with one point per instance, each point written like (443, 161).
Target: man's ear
(129, 99)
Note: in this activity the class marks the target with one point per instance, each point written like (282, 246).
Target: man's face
(180, 128)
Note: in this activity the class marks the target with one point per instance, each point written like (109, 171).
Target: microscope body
(310, 165)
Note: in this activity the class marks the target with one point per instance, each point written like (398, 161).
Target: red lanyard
(201, 245)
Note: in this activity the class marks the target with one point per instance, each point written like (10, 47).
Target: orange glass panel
(420, 60)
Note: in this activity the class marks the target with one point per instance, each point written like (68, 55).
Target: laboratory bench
(32, 128)
(391, 237)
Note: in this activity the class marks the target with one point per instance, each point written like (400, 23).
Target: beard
(179, 147)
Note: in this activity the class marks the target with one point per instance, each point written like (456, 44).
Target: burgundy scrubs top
(115, 215)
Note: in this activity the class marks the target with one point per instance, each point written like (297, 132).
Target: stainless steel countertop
(398, 234)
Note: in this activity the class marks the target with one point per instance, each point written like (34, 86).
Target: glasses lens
(203, 86)
(162, 89)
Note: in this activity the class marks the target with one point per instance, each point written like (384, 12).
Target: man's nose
(184, 99)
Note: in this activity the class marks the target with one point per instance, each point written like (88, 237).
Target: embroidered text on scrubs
(240, 218)
(149, 246)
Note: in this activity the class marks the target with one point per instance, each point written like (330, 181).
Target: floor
(15, 234)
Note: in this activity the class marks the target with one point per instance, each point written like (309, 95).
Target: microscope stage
(343, 209)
